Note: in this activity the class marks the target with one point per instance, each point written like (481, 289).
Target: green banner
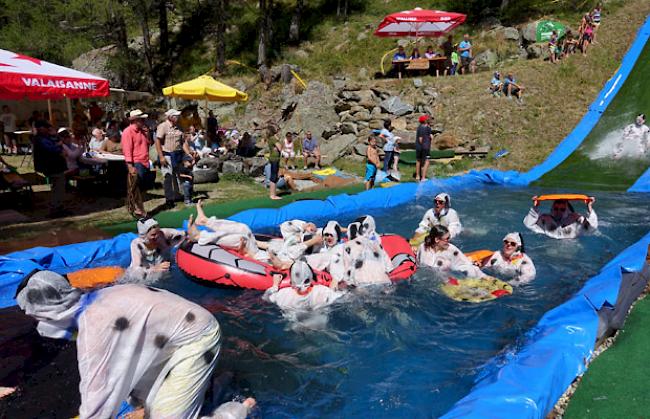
(546, 27)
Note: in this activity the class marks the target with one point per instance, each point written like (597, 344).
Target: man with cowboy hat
(171, 148)
(135, 147)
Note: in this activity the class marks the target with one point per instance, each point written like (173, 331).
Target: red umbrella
(419, 22)
(26, 77)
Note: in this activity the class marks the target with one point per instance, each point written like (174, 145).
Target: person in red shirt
(135, 146)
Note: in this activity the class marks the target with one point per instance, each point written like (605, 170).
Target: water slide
(592, 165)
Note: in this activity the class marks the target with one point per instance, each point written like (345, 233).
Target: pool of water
(408, 350)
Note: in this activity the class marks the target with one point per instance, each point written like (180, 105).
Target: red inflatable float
(223, 267)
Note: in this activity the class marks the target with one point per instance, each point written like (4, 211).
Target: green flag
(546, 27)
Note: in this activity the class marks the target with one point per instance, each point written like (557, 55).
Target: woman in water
(511, 262)
(441, 215)
(151, 251)
(436, 252)
(563, 222)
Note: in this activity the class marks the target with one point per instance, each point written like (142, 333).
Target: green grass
(615, 385)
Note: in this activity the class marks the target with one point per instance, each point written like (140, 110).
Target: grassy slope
(557, 96)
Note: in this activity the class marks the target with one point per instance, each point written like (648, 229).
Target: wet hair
(522, 248)
(436, 232)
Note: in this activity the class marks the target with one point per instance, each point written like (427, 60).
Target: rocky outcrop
(314, 110)
(336, 146)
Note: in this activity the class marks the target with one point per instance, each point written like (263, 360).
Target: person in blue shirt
(400, 54)
(400, 57)
(466, 57)
(512, 88)
(310, 150)
(496, 84)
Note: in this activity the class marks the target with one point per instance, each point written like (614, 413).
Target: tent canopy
(23, 77)
(205, 88)
(419, 22)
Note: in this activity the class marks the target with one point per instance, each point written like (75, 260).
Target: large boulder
(96, 61)
(539, 50)
(336, 146)
(231, 166)
(349, 128)
(510, 34)
(529, 32)
(314, 111)
(363, 115)
(486, 59)
(394, 105)
(445, 141)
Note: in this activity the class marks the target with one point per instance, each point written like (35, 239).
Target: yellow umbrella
(207, 88)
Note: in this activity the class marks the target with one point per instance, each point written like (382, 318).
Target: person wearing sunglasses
(436, 252)
(563, 222)
(151, 251)
(511, 262)
(441, 214)
(134, 342)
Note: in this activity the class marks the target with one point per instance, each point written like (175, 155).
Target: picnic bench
(420, 65)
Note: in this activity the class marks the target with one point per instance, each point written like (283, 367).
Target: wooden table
(420, 64)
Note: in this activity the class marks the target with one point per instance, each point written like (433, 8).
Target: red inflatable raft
(223, 267)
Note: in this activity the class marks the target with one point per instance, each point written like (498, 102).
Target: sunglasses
(444, 239)
(440, 202)
(328, 235)
(509, 243)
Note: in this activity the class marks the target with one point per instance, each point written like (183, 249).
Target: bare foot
(249, 403)
(192, 232)
(275, 197)
(201, 219)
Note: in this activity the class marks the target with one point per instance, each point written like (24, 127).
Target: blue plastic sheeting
(533, 379)
(642, 184)
(62, 259)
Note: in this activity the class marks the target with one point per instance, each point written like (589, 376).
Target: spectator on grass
(80, 127)
(96, 113)
(596, 15)
(96, 141)
(512, 88)
(447, 48)
(389, 145)
(187, 179)
(570, 44)
(246, 147)
(400, 54)
(284, 182)
(135, 145)
(466, 56)
(288, 153)
(587, 38)
(184, 120)
(8, 120)
(310, 150)
(496, 84)
(171, 148)
(196, 120)
(423, 138)
(415, 54)
(552, 47)
(430, 53)
(372, 162)
(112, 145)
(213, 123)
(275, 150)
(50, 161)
(71, 151)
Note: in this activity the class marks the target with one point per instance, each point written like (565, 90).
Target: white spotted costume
(569, 226)
(450, 259)
(518, 269)
(448, 217)
(133, 341)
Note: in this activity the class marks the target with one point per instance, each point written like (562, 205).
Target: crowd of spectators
(455, 58)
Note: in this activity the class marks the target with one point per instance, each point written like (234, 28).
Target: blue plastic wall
(536, 376)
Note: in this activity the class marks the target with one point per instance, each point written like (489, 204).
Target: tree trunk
(222, 6)
(163, 27)
(294, 28)
(146, 42)
(504, 4)
(265, 31)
